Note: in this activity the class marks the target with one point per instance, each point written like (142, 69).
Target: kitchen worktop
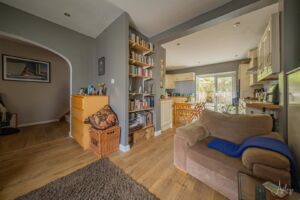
(262, 105)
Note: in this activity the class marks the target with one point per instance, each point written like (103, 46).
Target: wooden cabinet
(245, 89)
(269, 51)
(171, 79)
(166, 114)
(170, 82)
(82, 107)
(253, 80)
(185, 77)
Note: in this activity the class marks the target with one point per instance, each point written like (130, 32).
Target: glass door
(224, 93)
(217, 91)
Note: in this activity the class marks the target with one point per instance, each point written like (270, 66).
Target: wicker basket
(105, 142)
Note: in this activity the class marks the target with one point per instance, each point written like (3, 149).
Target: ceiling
(220, 43)
(91, 17)
(154, 16)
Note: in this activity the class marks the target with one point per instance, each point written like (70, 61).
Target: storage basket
(105, 142)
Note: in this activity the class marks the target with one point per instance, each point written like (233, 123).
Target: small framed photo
(101, 66)
(25, 69)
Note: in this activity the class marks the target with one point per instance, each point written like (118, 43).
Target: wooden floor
(149, 162)
(33, 135)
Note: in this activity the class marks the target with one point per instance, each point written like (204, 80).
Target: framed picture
(24, 69)
(101, 66)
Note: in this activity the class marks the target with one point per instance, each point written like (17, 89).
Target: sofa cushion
(214, 168)
(214, 160)
(235, 128)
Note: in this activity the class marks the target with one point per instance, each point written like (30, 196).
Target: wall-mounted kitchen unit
(171, 79)
(269, 50)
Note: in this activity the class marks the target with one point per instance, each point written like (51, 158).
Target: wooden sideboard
(82, 107)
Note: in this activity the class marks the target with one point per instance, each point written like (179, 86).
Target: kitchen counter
(182, 98)
(262, 105)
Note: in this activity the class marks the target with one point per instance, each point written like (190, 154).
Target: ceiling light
(67, 14)
(237, 24)
(178, 44)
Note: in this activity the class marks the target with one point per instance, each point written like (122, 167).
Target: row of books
(137, 39)
(137, 119)
(141, 104)
(141, 58)
(140, 71)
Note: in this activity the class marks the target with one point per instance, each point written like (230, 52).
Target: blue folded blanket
(236, 150)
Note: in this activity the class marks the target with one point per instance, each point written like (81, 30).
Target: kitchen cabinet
(245, 89)
(171, 79)
(166, 114)
(170, 82)
(253, 80)
(185, 77)
(269, 51)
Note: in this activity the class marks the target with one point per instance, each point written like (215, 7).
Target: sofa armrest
(192, 133)
(272, 174)
(265, 157)
(184, 138)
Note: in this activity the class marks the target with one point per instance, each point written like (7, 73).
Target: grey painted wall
(79, 49)
(210, 69)
(28, 99)
(160, 53)
(290, 34)
(113, 44)
(290, 51)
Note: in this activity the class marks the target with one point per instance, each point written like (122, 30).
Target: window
(217, 90)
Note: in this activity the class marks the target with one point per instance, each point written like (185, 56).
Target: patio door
(217, 90)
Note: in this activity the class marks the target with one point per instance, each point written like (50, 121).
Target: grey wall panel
(77, 48)
(112, 43)
(32, 101)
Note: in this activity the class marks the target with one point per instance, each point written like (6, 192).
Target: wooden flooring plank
(149, 162)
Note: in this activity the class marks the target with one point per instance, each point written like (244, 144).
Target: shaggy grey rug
(99, 180)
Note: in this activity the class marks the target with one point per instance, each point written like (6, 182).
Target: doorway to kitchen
(217, 90)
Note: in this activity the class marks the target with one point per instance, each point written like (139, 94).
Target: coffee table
(248, 185)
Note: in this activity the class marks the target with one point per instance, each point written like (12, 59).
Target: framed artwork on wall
(101, 66)
(24, 69)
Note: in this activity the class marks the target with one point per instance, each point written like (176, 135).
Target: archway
(60, 65)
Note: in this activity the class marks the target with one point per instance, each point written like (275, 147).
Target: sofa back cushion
(235, 127)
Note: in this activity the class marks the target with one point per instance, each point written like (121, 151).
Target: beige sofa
(217, 170)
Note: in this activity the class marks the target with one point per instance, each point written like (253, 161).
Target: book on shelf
(140, 41)
(144, 119)
(134, 70)
(141, 104)
(141, 58)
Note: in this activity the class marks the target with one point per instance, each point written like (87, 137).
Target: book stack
(134, 70)
(143, 119)
(141, 58)
(137, 39)
(141, 104)
(150, 101)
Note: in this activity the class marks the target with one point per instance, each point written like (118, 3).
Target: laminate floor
(33, 135)
(149, 162)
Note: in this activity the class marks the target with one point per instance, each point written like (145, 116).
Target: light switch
(112, 81)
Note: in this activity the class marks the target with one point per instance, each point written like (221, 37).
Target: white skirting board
(157, 133)
(124, 148)
(37, 123)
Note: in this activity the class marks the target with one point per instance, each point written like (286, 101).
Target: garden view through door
(216, 90)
